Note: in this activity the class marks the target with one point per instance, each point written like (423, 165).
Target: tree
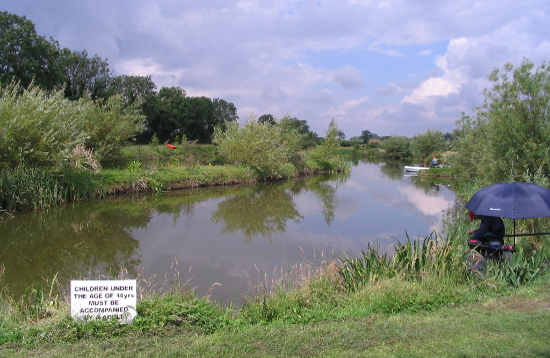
(308, 138)
(366, 135)
(167, 114)
(300, 125)
(267, 118)
(199, 121)
(508, 138)
(396, 147)
(174, 115)
(139, 90)
(25, 56)
(427, 143)
(134, 88)
(84, 75)
(224, 112)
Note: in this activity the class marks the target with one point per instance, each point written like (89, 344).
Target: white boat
(415, 169)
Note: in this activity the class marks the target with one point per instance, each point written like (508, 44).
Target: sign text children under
(104, 299)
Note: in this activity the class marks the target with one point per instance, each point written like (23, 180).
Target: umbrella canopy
(511, 200)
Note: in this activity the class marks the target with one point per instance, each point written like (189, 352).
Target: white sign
(104, 299)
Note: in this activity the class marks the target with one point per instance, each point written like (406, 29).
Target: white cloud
(348, 77)
(468, 61)
(431, 87)
(343, 110)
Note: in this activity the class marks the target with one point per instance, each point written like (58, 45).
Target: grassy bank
(142, 168)
(511, 326)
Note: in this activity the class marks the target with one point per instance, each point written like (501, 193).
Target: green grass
(511, 326)
(169, 178)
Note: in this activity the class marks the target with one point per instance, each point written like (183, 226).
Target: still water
(223, 239)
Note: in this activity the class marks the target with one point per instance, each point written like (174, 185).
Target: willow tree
(267, 149)
(44, 129)
(508, 138)
(425, 144)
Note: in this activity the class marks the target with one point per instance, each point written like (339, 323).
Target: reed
(414, 260)
(30, 188)
(522, 269)
(356, 272)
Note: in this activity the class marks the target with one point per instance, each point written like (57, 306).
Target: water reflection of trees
(257, 210)
(68, 241)
(326, 194)
(265, 210)
(392, 170)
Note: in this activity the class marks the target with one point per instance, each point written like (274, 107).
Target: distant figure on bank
(434, 162)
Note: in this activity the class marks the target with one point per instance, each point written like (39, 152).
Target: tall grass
(29, 188)
(415, 260)
(522, 269)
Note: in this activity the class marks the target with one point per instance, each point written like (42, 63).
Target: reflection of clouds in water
(307, 205)
(333, 244)
(429, 205)
(386, 198)
(323, 241)
(363, 185)
(346, 208)
(354, 184)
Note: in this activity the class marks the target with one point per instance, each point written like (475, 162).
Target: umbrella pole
(514, 234)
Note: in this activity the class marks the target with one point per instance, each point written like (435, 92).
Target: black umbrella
(511, 200)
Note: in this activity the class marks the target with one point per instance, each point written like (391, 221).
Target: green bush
(325, 155)
(427, 143)
(396, 147)
(37, 128)
(267, 149)
(42, 129)
(108, 127)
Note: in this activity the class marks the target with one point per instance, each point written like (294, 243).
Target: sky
(393, 67)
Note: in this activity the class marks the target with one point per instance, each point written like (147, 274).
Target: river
(222, 241)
